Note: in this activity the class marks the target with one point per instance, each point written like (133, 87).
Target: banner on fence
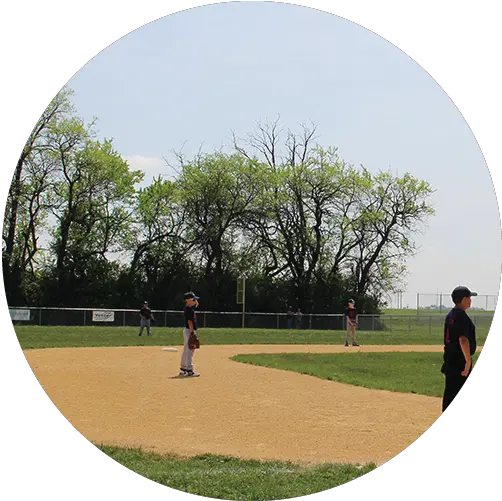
(103, 316)
(20, 315)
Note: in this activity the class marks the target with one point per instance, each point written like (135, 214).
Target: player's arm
(462, 327)
(190, 326)
(466, 350)
(191, 321)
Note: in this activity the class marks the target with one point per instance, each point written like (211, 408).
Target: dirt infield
(129, 396)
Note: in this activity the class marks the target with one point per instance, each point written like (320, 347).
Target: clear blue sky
(193, 77)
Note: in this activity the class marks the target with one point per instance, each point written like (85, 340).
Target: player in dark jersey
(459, 344)
(146, 318)
(191, 302)
(352, 321)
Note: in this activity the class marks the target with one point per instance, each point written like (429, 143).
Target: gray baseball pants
(187, 355)
(351, 331)
(145, 322)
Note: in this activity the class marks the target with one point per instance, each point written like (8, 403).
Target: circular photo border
(412, 53)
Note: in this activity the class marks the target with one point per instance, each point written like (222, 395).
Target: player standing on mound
(352, 321)
(190, 339)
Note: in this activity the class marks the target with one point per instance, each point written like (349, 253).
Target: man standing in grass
(352, 321)
(146, 318)
(299, 316)
(459, 344)
(290, 315)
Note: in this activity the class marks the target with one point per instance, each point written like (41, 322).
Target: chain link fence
(442, 302)
(425, 303)
(432, 322)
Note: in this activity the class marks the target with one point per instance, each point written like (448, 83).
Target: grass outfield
(234, 479)
(34, 337)
(401, 372)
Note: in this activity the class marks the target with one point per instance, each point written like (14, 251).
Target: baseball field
(275, 414)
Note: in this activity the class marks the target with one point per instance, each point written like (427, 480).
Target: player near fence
(290, 316)
(298, 318)
(459, 344)
(190, 337)
(352, 323)
(146, 317)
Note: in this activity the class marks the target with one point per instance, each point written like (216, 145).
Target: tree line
(305, 228)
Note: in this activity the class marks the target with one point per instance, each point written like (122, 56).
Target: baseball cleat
(346, 344)
(192, 374)
(355, 344)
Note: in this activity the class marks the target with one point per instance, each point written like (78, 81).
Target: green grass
(57, 336)
(401, 372)
(235, 479)
(34, 337)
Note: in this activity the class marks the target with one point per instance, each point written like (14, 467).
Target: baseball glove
(193, 341)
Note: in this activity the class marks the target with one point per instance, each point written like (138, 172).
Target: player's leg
(142, 326)
(184, 355)
(188, 361)
(354, 331)
(347, 334)
(148, 323)
(453, 384)
(190, 370)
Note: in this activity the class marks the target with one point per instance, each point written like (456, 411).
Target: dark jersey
(145, 312)
(351, 313)
(190, 314)
(457, 323)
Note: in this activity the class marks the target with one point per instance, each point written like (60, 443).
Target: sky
(194, 77)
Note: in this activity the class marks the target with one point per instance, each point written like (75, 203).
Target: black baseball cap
(460, 292)
(190, 295)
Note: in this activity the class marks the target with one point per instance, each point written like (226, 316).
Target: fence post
(373, 322)
(40, 316)
(84, 317)
(310, 321)
(123, 318)
(203, 317)
(277, 320)
(440, 303)
(430, 325)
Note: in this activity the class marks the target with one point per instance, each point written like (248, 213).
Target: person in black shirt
(352, 321)
(191, 302)
(146, 317)
(459, 344)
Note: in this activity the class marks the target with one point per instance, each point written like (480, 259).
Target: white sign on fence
(19, 315)
(103, 316)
